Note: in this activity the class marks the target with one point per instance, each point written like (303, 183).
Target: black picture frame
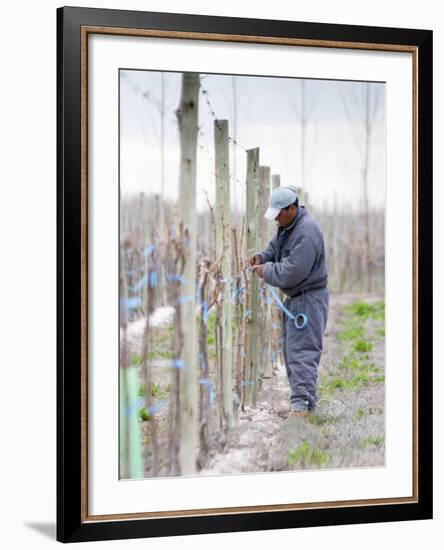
(73, 523)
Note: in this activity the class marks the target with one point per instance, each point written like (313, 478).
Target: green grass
(355, 368)
(362, 346)
(157, 391)
(360, 413)
(319, 419)
(356, 373)
(351, 331)
(144, 415)
(211, 340)
(338, 383)
(161, 354)
(372, 441)
(354, 363)
(136, 360)
(211, 320)
(307, 455)
(364, 310)
(158, 354)
(211, 332)
(350, 362)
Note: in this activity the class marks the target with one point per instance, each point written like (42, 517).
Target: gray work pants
(302, 348)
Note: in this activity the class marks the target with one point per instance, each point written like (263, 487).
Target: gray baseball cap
(280, 198)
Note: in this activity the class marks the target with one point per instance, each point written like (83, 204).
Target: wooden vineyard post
(264, 197)
(252, 326)
(187, 116)
(131, 462)
(275, 183)
(205, 391)
(150, 271)
(239, 354)
(276, 324)
(304, 198)
(223, 251)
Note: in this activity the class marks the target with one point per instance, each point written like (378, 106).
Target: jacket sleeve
(293, 269)
(268, 255)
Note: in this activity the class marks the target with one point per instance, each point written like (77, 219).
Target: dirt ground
(348, 428)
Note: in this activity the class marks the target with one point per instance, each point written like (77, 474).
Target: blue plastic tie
(176, 277)
(278, 302)
(183, 299)
(153, 279)
(149, 249)
(178, 364)
(141, 284)
(205, 312)
(133, 406)
(212, 397)
(157, 407)
(233, 294)
(132, 302)
(207, 382)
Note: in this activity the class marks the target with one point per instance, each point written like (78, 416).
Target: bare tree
(362, 105)
(302, 101)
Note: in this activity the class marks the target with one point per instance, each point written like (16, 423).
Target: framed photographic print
(244, 274)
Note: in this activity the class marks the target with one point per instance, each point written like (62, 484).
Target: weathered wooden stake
(239, 319)
(275, 183)
(187, 115)
(253, 326)
(130, 440)
(263, 202)
(223, 250)
(276, 323)
(147, 374)
(205, 386)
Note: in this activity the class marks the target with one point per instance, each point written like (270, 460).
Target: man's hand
(252, 260)
(259, 270)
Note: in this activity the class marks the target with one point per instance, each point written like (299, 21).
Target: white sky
(268, 111)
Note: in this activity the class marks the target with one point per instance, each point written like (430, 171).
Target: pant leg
(303, 348)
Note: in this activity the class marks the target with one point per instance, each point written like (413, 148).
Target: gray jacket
(295, 257)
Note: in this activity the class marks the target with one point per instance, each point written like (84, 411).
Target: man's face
(286, 216)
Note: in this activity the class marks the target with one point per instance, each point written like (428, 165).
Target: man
(295, 262)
